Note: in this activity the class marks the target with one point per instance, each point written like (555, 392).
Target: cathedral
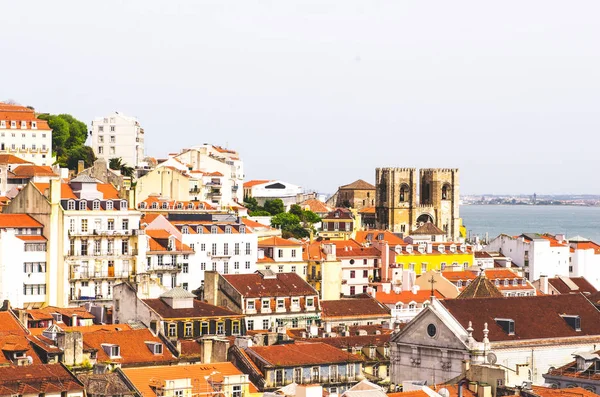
(403, 203)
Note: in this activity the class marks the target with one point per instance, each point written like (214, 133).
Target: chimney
(74, 320)
(80, 166)
(544, 284)
(54, 193)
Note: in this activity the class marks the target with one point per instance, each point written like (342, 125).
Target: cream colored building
(24, 135)
(166, 182)
(118, 136)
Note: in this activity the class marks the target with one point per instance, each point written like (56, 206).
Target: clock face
(431, 330)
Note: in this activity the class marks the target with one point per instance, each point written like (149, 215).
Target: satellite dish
(444, 392)
(491, 357)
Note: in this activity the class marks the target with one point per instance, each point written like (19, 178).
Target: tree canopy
(68, 140)
(295, 223)
(274, 206)
(116, 163)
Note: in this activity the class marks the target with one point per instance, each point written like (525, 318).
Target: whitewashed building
(539, 332)
(24, 135)
(117, 135)
(263, 190)
(22, 261)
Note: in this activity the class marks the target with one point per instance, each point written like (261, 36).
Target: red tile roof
(423, 295)
(278, 242)
(586, 245)
(38, 379)
(283, 284)
(534, 317)
(364, 236)
(143, 378)
(363, 306)
(582, 284)
(569, 392)
(18, 220)
(358, 185)
(255, 182)
(108, 191)
(11, 159)
(452, 389)
(28, 171)
(200, 310)
(314, 205)
(132, 344)
(301, 354)
(20, 113)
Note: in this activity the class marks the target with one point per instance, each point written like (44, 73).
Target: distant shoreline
(534, 205)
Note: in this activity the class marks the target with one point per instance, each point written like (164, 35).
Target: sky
(321, 93)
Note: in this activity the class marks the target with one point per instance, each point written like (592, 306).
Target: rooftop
(37, 379)
(358, 185)
(428, 229)
(18, 220)
(567, 285)
(200, 310)
(281, 284)
(406, 297)
(480, 287)
(278, 242)
(301, 354)
(363, 306)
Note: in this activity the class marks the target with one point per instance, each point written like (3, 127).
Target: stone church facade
(404, 202)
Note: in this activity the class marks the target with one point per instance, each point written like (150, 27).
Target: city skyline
(322, 94)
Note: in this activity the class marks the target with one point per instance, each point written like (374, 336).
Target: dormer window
(2, 124)
(453, 248)
(497, 282)
(337, 214)
(23, 124)
(573, 321)
(227, 229)
(57, 317)
(199, 230)
(96, 205)
(515, 282)
(13, 124)
(142, 205)
(82, 205)
(441, 248)
(109, 205)
(421, 249)
(507, 324)
(409, 249)
(155, 347)
(459, 283)
(185, 230)
(171, 244)
(179, 206)
(190, 206)
(124, 205)
(71, 205)
(242, 229)
(213, 230)
(165, 205)
(506, 282)
(34, 124)
(524, 282)
(154, 205)
(113, 351)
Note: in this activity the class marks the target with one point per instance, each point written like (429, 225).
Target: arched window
(213, 230)
(446, 192)
(154, 205)
(124, 205)
(96, 205)
(398, 306)
(82, 205)
(515, 282)
(506, 282)
(109, 205)
(524, 282)
(228, 229)
(179, 206)
(497, 282)
(404, 193)
(242, 229)
(165, 205)
(142, 205)
(185, 230)
(191, 206)
(199, 230)
(71, 205)
(412, 306)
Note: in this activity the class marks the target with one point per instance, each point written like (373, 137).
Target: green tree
(275, 206)
(251, 203)
(116, 163)
(306, 217)
(68, 140)
(260, 213)
(285, 220)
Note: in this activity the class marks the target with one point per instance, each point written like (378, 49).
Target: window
(266, 304)
(365, 273)
(352, 274)
(72, 226)
(96, 205)
(220, 328)
(214, 266)
(125, 224)
(203, 266)
(112, 139)
(111, 224)
(293, 268)
(213, 249)
(573, 321)
(185, 230)
(225, 248)
(178, 393)
(112, 128)
(248, 251)
(293, 253)
(82, 205)
(508, 325)
(227, 229)
(250, 305)
(84, 225)
(199, 230)
(242, 229)
(247, 265)
(250, 324)
(265, 324)
(111, 150)
(352, 290)
(280, 304)
(71, 205)
(236, 266)
(315, 375)
(235, 327)
(236, 391)
(213, 230)
(280, 253)
(185, 268)
(310, 302)
(172, 329)
(236, 249)
(280, 268)
(109, 205)
(202, 247)
(225, 267)
(187, 330)
(184, 286)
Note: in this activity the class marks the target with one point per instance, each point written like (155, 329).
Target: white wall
(126, 141)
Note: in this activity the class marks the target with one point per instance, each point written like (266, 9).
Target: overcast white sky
(320, 93)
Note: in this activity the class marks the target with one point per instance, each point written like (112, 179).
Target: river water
(517, 219)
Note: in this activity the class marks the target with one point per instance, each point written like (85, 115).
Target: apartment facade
(24, 135)
(22, 261)
(118, 136)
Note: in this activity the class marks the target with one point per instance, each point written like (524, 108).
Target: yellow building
(428, 256)
(166, 182)
(324, 269)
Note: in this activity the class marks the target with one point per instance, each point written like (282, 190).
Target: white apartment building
(360, 266)
(24, 135)
(538, 254)
(263, 190)
(92, 237)
(22, 261)
(218, 242)
(584, 260)
(167, 259)
(116, 136)
(222, 172)
(281, 256)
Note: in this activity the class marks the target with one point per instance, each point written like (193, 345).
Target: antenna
(491, 357)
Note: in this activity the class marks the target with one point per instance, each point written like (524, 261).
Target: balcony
(75, 275)
(165, 267)
(92, 253)
(215, 183)
(218, 254)
(195, 190)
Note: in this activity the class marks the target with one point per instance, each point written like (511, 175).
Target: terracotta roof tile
(428, 228)
(314, 205)
(283, 284)
(301, 354)
(28, 171)
(38, 379)
(278, 242)
(392, 239)
(362, 306)
(582, 285)
(200, 310)
(421, 296)
(11, 159)
(18, 220)
(534, 317)
(358, 185)
(255, 182)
